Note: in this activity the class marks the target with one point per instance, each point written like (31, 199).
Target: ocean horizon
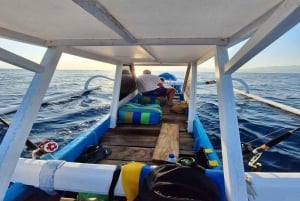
(261, 69)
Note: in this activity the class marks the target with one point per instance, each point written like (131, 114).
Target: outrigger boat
(129, 34)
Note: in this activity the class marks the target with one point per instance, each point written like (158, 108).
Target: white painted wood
(6, 33)
(274, 186)
(96, 9)
(230, 138)
(17, 60)
(269, 102)
(89, 55)
(160, 64)
(209, 54)
(281, 21)
(74, 177)
(146, 41)
(96, 178)
(149, 52)
(166, 32)
(127, 98)
(247, 31)
(192, 100)
(14, 140)
(206, 18)
(185, 82)
(115, 96)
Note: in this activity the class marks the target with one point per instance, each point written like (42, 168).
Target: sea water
(63, 120)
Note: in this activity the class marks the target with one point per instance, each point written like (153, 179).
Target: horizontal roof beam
(17, 60)
(102, 58)
(13, 35)
(160, 64)
(282, 20)
(88, 55)
(145, 42)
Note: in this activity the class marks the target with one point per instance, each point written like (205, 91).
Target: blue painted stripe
(218, 177)
(20, 192)
(202, 140)
(91, 137)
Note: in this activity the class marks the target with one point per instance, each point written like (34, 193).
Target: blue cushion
(140, 99)
(140, 114)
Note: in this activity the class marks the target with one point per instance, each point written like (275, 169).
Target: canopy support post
(230, 139)
(18, 132)
(192, 100)
(115, 96)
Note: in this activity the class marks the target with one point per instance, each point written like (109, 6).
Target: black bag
(173, 182)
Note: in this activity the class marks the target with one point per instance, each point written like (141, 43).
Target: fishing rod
(252, 154)
(28, 143)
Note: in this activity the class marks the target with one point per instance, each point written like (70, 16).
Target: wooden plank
(125, 153)
(186, 143)
(167, 142)
(129, 140)
(134, 129)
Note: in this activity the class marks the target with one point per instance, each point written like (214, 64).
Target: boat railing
(247, 94)
(243, 83)
(269, 102)
(86, 85)
(86, 90)
(263, 100)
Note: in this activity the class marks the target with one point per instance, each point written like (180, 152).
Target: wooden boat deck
(130, 142)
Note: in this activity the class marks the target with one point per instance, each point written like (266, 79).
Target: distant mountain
(272, 69)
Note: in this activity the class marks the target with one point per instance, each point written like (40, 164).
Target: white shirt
(147, 82)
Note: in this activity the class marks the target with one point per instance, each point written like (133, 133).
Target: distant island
(271, 69)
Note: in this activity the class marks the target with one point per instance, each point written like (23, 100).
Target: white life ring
(48, 146)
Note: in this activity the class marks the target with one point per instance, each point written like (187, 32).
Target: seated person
(165, 84)
(127, 84)
(150, 85)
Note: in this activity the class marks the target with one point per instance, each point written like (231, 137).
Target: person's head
(126, 72)
(146, 72)
(162, 79)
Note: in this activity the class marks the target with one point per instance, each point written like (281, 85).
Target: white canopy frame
(18, 132)
(275, 19)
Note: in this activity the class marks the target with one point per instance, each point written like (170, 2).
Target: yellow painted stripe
(130, 179)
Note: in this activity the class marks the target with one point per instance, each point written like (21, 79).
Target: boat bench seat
(135, 113)
(140, 99)
(167, 142)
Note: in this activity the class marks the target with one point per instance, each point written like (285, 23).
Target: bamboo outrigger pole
(29, 144)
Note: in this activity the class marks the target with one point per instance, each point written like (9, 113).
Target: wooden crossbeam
(167, 142)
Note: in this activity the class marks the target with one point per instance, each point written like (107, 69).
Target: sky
(283, 52)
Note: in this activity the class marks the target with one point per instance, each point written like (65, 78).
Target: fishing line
(251, 141)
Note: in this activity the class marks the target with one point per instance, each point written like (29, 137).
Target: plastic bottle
(172, 158)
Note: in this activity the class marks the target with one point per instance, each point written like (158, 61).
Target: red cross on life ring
(48, 146)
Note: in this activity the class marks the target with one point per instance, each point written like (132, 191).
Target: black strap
(114, 181)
